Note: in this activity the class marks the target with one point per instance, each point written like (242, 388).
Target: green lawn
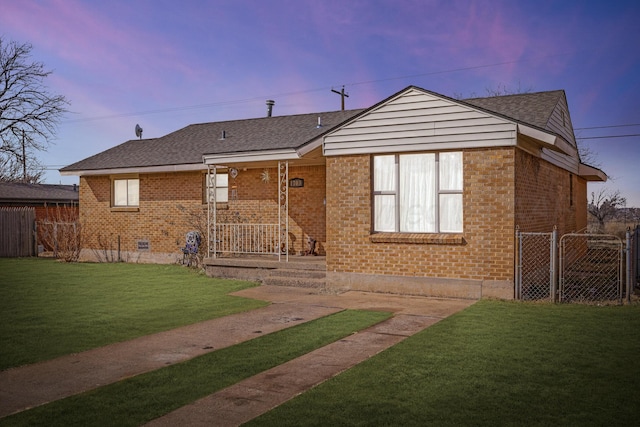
(49, 308)
(494, 364)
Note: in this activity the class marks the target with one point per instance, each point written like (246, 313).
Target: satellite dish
(138, 131)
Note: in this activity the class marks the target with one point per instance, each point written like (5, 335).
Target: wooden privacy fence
(17, 236)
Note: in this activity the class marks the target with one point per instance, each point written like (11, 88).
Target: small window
(126, 192)
(222, 187)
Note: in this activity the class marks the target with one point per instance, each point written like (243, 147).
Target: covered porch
(265, 210)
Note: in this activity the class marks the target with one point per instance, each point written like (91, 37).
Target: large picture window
(418, 193)
(126, 192)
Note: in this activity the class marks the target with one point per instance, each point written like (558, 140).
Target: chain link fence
(590, 268)
(534, 279)
(585, 268)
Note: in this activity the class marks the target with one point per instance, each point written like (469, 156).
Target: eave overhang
(250, 157)
(591, 173)
(136, 169)
(548, 140)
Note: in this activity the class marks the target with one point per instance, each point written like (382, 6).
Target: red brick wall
(486, 249)
(503, 187)
(171, 204)
(52, 212)
(548, 196)
(162, 216)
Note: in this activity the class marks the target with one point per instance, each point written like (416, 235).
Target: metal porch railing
(259, 239)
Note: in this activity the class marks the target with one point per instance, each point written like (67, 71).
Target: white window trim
(113, 191)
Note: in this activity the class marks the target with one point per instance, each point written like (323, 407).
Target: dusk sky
(167, 64)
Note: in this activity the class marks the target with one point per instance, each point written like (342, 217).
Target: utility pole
(342, 94)
(24, 160)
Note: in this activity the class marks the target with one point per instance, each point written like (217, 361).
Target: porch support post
(212, 229)
(283, 209)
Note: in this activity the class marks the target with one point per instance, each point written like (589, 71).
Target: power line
(240, 101)
(609, 126)
(192, 107)
(610, 136)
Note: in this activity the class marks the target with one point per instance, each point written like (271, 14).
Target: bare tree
(604, 204)
(29, 114)
(502, 90)
(14, 171)
(587, 155)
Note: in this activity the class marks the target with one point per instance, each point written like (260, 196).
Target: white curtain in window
(120, 192)
(384, 173)
(384, 180)
(133, 192)
(222, 195)
(451, 171)
(451, 213)
(417, 193)
(385, 213)
(222, 180)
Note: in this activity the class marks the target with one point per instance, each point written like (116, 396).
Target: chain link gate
(536, 266)
(590, 268)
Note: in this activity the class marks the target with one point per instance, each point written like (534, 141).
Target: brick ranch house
(419, 194)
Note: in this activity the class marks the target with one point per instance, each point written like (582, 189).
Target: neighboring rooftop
(12, 193)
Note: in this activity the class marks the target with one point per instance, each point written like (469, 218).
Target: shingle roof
(186, 146)
(532, 108)
(16, 191)
(189, 144)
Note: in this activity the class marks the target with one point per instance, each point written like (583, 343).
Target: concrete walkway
(34, 385)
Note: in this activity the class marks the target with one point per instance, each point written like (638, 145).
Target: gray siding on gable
(418, 121)
(564, 128)
(562, 160)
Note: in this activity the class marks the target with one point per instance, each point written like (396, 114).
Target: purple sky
(166, 64)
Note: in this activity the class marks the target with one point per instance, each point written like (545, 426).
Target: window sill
(418, 238)
(125, 209)
(221, 206)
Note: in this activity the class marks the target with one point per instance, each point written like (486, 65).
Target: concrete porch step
(296, 278)
(297, 282)
(302, 274)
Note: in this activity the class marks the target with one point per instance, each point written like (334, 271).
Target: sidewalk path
(254, 396)
(33, 385)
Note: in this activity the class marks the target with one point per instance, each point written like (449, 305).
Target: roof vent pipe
(223, 135)
(319, 123)
(270, 103)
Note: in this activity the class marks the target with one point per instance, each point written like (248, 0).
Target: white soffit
(591, 174)
(250, 156)
(141, 169)
(307, 148)
(549, 140)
